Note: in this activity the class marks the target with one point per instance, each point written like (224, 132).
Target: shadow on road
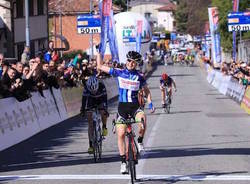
(48, 145)
(175, 179)
(168, 153)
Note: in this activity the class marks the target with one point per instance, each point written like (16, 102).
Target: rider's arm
(148, 94)
(100, 65)
(174, 84)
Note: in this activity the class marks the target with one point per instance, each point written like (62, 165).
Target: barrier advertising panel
(245, 104)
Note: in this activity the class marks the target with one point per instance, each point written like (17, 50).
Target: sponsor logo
(129, 84)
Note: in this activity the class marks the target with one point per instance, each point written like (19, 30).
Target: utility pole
(27, 27)
(91, 37)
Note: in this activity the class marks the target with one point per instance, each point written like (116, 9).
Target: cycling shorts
(128, 109)
(95, 102)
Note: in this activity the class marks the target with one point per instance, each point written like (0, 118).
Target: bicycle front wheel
(131, 162)
(95, 142)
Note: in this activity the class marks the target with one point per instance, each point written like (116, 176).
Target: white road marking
(149, 143)
(127, 177)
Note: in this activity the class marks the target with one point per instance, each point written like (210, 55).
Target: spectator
(8, 84)
(26, 71)
(25, 55)
(19, 70)
(77, 59)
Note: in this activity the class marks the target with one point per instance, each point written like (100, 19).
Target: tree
(121, 3)
(191, 16)
(224, 7)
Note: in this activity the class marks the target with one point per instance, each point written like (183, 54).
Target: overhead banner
(215, 35)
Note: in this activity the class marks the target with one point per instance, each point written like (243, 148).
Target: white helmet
(92, 84)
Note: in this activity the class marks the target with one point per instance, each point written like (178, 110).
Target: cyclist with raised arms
(130, 82)
(166, 82)
(94, 95)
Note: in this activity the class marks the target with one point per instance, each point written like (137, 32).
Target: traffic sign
(88, 24)
(238, 21)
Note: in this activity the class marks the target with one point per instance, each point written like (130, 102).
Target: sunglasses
(130, 60)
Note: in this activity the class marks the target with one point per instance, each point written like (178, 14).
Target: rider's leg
(170, 94)
(142, 126)
(142, 129)
(121, 130)
(104, 122)
(163, 96)
(90, 128)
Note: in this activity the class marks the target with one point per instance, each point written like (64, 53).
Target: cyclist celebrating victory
(94, 95)
(166, 81)
(130, 82)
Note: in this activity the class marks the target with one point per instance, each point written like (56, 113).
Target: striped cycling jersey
(129, 82)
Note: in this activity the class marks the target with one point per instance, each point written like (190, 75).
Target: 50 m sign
(240, 27)
(89, 30)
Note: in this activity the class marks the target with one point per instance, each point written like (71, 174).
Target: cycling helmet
(92, 84)
(135, 56)
(164, 76)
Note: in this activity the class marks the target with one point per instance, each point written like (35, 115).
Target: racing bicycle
(167, 101)
(132, 152)
(97, 135)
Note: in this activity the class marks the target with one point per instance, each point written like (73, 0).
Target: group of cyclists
(132, 85)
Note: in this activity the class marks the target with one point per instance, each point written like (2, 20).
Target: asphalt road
(205, 139)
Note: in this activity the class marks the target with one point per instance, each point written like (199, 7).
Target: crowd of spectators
(238, 70)
(20, 78)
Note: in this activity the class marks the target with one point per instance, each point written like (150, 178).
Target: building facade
(63, 21)
(158, 12)
(14, 24)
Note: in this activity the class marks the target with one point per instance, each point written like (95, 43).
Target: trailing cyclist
(94, 95)
(130, 82)
(166, 82)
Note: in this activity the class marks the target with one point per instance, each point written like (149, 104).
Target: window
(20, 48)
(32, 49)
(40, 7)
(19, 8)
(31, 7)
(147, 15)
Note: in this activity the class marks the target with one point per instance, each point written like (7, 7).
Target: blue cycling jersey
(129, 82)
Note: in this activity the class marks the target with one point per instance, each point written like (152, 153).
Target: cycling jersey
(99, 99)
(129, 83)
(167, 83)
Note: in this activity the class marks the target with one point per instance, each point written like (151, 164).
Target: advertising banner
(113, 45)
(138, 36)
(17, 122)
(235, 90)
(126, 32)
(215, 35)
(235, 9)
(245, 104)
